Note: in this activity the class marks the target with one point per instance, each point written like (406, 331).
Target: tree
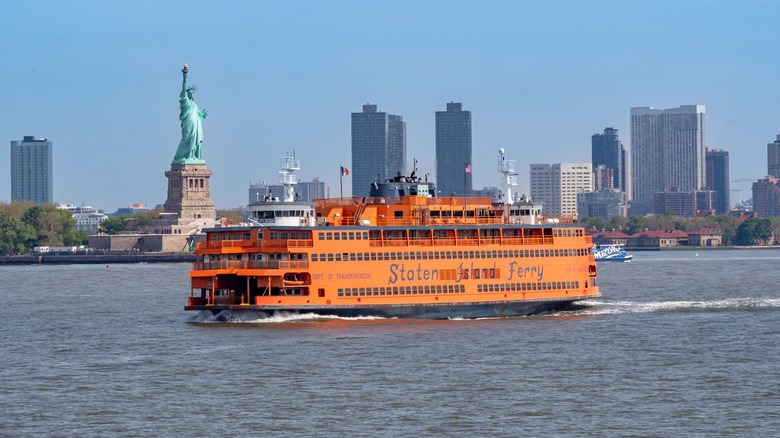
(16, 237)
(636, 224)
(754, 231)
(113, 225)
(50, 224)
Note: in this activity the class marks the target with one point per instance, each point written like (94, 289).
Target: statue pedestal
(189, 192)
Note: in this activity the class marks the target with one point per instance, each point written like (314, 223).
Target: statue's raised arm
(191, 118)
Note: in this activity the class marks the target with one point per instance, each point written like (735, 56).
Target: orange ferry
(401, 252)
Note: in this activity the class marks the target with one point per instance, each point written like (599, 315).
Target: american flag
(468, 167)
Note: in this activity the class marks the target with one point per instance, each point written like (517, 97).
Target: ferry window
(321, 293)
(427, 289)
(341, 292)
(329, 235)
(362, 291)
(294, 235)
(330, 257)
(273, 235)
(512, 287)
(490, 288)
(392, 256)
(314, 257)
(226, 236)
(351, 235)
(215, 237)
(438, 288)
(259, 234)
(451, 288)
(344, 235)
(406, 256)
(284, 235)
(395, 290)
(501, 286)
(412, 256)
(398, 214)
(425, 256)
(360, 256)
(414, 289)
(351, 257)
(336, 236)
(320, 236)
(373, 256)
(358, 236)
(247, 236)
(495, 256)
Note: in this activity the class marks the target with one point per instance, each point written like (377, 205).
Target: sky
(101, 79)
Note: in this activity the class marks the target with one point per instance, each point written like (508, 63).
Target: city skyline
(101, 81)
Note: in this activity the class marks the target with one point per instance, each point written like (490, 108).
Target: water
(682, 344)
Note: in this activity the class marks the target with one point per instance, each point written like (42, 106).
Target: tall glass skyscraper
(607, 150)
(453, 151)
(378, 148)
(667, 153)
(31, 170)
(718, 179)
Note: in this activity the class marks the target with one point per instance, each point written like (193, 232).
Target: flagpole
(341, 183)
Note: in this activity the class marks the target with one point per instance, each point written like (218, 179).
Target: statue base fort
(189, 192)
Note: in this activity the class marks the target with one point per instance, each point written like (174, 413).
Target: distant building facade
(608, 151)
(766, 197)
(32, 163)
(557, 185)
(773, 158)
(453, 151)
(378, 148)
(307, 191)
(603, 203)
(667, 153)
(87, 218)
(718, 179)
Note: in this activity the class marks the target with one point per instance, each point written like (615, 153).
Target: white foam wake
(599, 307)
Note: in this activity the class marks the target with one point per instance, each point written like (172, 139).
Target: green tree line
(759, 231)
(23, 226)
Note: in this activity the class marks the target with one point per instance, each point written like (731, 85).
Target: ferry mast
(509, 178)
(289, 166)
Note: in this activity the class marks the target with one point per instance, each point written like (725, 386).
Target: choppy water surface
(681, 344)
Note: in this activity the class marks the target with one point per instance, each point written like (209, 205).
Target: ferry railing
(424, 241)
(441, 241)
(291, 243)
(251, 264)
(217, 244)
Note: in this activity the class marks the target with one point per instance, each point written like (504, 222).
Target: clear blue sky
(101, 80)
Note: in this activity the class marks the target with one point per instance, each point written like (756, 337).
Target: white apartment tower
(557, 185)
(667, 153)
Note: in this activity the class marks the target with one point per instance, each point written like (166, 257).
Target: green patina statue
(191, 117)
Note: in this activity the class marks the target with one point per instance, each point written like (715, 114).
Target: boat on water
(611, 253)
(401, 252)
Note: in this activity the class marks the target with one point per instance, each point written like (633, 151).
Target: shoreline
(108, 258)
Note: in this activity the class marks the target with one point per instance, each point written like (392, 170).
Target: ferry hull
(495, 309)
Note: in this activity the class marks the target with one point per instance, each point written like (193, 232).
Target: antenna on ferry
(289, 166)
(509, 179)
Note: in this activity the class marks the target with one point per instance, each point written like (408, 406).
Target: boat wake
(272, 318)
(599, 307)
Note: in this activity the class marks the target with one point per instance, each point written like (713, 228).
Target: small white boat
(611, 253)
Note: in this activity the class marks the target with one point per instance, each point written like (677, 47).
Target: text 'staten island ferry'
(401, 252)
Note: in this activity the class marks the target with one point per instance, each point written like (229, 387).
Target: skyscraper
(31, 170)
(378, 148)
(718, 179)
(453, 150)
(773, 158)
(667, 153)
(557, 186)
(607, 150)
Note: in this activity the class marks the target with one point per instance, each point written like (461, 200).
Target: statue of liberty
(191, 117)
